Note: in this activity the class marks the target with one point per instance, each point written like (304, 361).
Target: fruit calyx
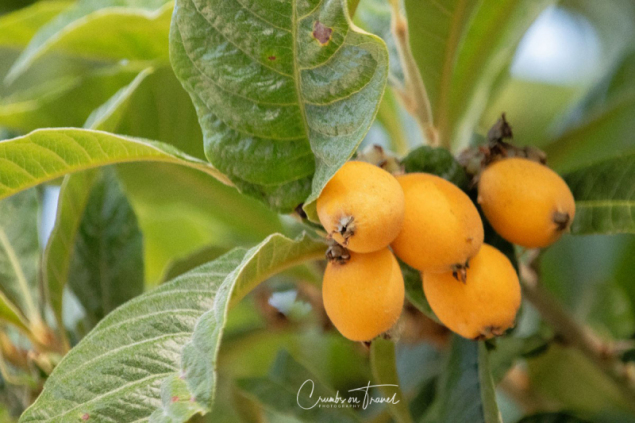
(337, 254)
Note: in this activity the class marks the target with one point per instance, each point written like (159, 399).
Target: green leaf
(17, 28)
(106, 268)
(437, 30)
(72, 202)
(466, 391)
(602, 133)
(48, 104)
(604, 195)
(280, 112)
(383, 365)
(108, 116)
(486, 51)
(47, 154)
(552, 418)
(414, 290)
(375, 16)
(438, 161)
(461, 48)
(19, 254)
(291, 390)
(163, 369)
(103, 30)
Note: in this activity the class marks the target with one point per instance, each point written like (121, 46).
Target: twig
(600, 353)
(414, 94)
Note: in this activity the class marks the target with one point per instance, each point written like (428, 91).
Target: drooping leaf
(108, 116)
(292, 390)
(486, 51)
(103, 29)
(466, 392)
(280, 112)
(72, 202)
(64, 101)
(604, 195)
(106, 268)
(163, 370)
(461, 48)
(384, 367)
(46, 154)
(19, 254)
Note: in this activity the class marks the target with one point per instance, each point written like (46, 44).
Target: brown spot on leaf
(175, 398)
(322, 33)
(85, 416)
(272, 58)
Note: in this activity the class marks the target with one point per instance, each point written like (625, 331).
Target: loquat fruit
(442, 228)
(527, 203)
(364, 294)
(485, 304)
(362, 207)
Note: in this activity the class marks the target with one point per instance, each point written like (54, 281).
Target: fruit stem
(600, 353)
(413, 94)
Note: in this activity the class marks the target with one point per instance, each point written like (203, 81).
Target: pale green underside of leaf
(467, 391)
(280, 111)
(46, 154)
(604, 195)
(59, 250)
(19, 255)
(163, 370)
(86, 28)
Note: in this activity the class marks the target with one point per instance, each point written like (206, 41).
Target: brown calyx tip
(459, 271)
(346, 228)
(337, 254)
(562, 220)
(500, 131)
(488, 332)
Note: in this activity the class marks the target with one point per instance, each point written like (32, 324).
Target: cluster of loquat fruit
(434, 227)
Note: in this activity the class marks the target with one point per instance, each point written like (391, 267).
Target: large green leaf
(163, 369)
(106, 268)
(283, 110)
(604, 196)
(19, 255)
(466, 392)
(46, 154)
(291, 390)
(461, 48)
(437, 30)
(103, 30)
(72, 202)
(486, 51)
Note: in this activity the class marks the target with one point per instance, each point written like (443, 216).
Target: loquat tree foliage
(248, 210)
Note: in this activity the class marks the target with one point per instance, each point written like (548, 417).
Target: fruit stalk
(413, 94)
(601, 354)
